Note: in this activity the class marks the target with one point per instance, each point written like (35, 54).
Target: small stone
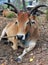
(31, 54)
(31, 59)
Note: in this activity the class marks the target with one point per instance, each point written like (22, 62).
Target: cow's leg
(15, 44)
(3, 33)
(26, 50)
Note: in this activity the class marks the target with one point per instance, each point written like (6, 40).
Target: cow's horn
(35, 9)
(15, 9)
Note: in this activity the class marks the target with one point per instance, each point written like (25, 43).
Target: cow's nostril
(20, 37)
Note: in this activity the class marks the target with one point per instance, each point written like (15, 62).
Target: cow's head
(26, 22)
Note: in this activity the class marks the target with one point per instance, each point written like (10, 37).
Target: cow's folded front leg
(25, 51)
(15, 44)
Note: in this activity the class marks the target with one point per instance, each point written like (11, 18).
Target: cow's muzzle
(21, 37)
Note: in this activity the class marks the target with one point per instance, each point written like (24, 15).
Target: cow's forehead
(23, 17)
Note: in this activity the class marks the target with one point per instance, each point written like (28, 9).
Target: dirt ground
(39, 54)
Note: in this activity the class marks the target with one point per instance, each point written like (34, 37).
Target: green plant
(47, 14)
(10, 15)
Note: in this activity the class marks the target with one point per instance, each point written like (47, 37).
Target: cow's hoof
(18, 60)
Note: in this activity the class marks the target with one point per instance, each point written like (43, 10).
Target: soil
(39, 54)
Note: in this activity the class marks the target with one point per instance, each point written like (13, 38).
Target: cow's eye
(28, 22)
(16, 22)
(33, 21)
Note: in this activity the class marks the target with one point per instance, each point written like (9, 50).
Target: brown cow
(25, 30)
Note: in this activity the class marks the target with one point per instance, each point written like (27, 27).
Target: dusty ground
(39, 54)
